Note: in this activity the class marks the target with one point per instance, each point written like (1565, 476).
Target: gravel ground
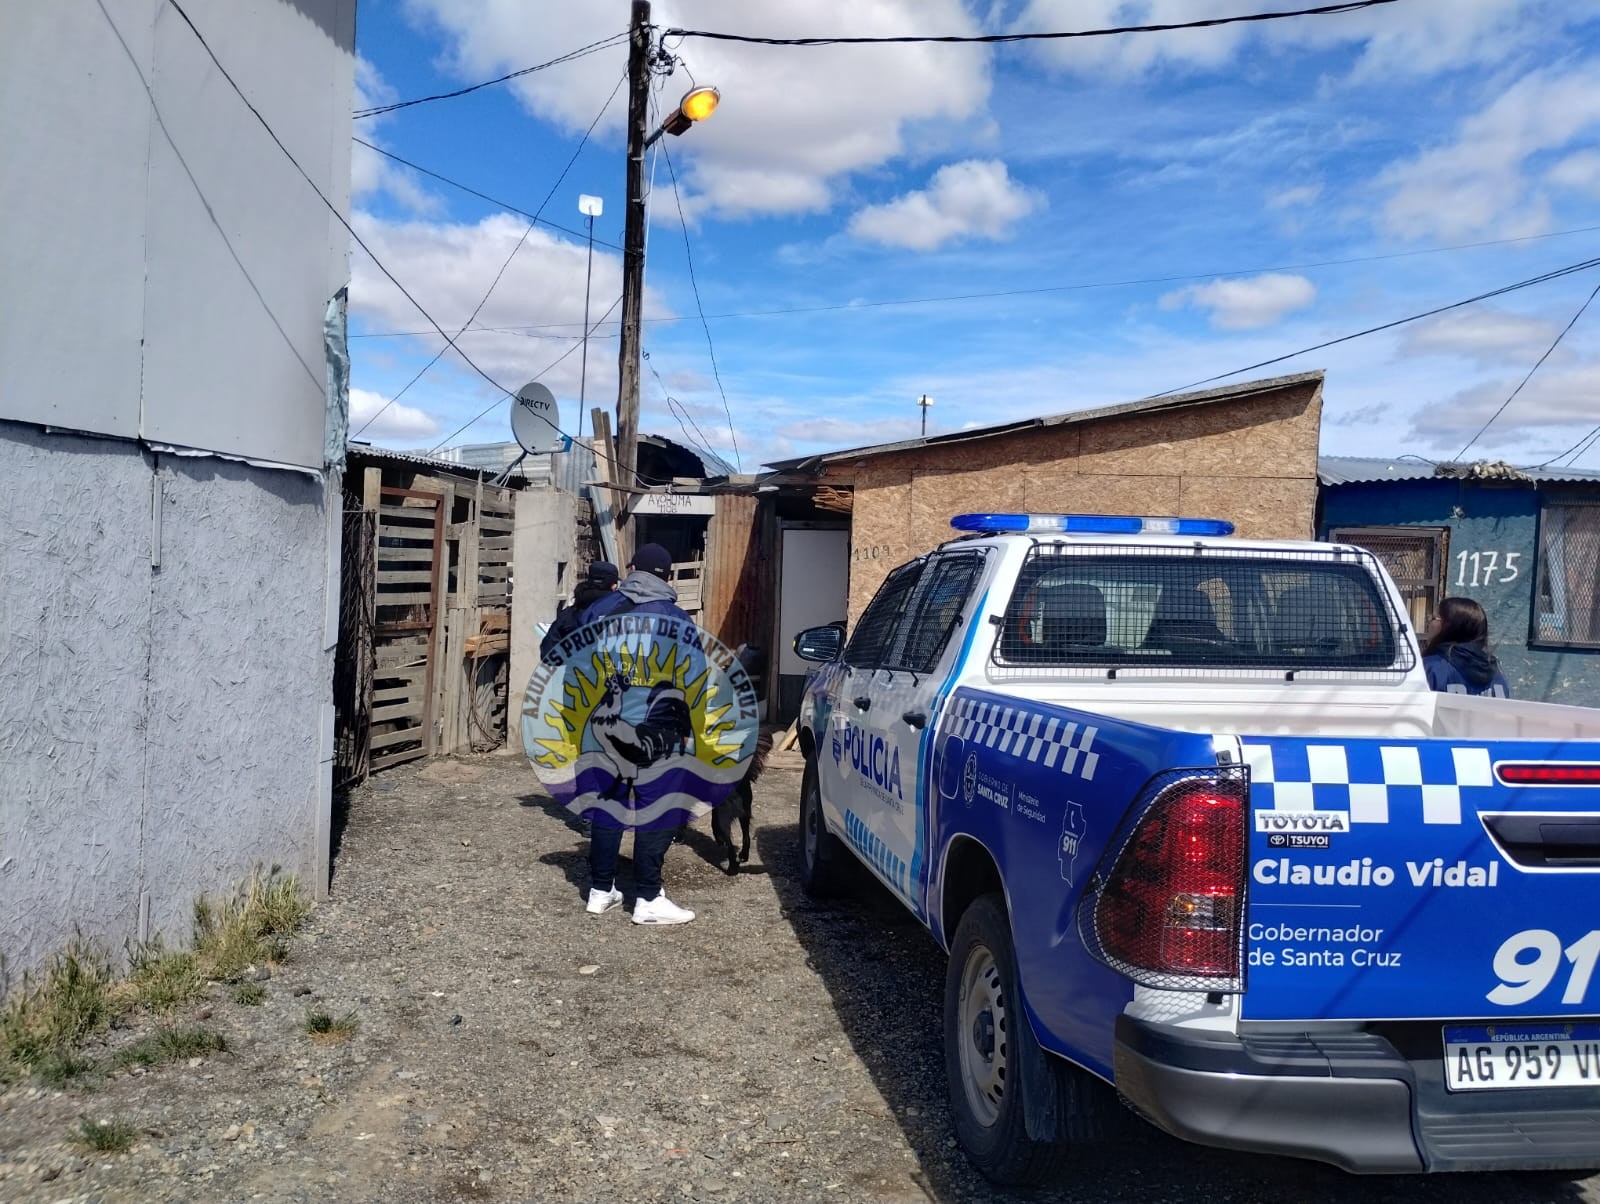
(511, 1047)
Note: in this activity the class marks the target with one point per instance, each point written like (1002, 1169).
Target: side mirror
(819, 643)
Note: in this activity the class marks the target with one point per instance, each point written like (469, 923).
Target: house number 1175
(1485, 566)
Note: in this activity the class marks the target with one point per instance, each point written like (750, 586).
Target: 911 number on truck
(1198, 839)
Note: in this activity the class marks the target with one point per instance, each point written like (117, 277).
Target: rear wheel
(983, 1025)
(823, 856)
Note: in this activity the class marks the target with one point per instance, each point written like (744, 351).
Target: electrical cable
(1584, 444)
(706, 326)
(1278, 359)
(350, 230)
(483, 196)
(581, 52)
(483, 412)
(493, 284)
(1053, 288)
(1537, 365)
(992, 38)
(674, 405)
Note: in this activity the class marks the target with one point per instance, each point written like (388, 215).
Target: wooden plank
(406, 599)
(399, 758)
(404, 577)
(494, 598)
(430, 721)
(483, 645)
(371, 488)
(414, 534)
(396, 711)
(385, 555)
(399, 656)
(422, 514)
(385, 739)
(494, 621)
(490, 523)
(393, 694)
(502, 544)
(494, 572)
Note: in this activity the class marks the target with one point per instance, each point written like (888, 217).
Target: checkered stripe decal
(1371, 781)
(875, 851)
(1027, 735)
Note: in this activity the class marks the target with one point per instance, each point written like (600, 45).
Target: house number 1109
(1485, 566)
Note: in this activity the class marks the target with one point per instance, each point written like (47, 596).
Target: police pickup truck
(1191, 826)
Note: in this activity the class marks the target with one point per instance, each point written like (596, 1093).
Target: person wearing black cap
(645, 590)
(599, 581)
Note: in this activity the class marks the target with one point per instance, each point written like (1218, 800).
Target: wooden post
(624, 472)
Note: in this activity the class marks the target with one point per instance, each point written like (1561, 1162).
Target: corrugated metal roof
(1360, 470)
(1150, 405)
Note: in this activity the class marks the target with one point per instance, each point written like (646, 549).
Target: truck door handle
(917, 719)
(863, 703)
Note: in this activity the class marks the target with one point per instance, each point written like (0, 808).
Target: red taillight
(1173, 902)
(1549, 775)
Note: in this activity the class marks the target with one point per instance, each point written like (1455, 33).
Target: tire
(983, 1021)
(824, 864)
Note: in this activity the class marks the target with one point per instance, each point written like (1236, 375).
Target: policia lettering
(874, 758)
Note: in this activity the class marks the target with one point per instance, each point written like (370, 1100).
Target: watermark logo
(640, 720)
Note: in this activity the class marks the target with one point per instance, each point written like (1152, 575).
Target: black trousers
(649, 850)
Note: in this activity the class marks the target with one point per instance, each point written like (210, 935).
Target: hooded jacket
(645, 592)
(570, 618)
(1466, 669)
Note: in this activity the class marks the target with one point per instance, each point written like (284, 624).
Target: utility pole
(623, 472)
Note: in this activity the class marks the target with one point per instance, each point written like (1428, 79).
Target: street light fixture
(697, 104)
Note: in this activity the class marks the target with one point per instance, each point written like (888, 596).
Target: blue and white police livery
(1194, 831)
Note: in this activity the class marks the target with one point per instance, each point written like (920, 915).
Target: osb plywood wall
(1251, 460)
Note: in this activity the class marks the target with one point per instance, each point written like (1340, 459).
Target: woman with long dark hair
(1456, 652)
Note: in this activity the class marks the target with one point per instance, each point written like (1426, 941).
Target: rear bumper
(1372, 1103)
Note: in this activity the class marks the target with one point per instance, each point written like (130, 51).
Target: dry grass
(106, 1136)
(49, 1016)
(328, 1028)
(171, 1045)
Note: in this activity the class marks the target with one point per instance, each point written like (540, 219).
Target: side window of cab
(875, 635)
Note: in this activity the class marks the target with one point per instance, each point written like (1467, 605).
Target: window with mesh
(1567, 601)
(1414, 557)
(874, 636)
(937, 611)
(1084, 610)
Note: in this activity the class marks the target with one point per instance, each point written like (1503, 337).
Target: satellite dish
(536, 420)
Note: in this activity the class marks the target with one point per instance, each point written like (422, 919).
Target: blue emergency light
(1088, 524)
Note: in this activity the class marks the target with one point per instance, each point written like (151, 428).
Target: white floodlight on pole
(924, 401)
(590, 207)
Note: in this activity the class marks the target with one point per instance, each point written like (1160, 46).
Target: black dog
(737, 807)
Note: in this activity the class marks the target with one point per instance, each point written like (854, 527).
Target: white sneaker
(660, 910)
(602, 901)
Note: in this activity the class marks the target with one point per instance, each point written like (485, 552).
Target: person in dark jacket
(645, 590)
(1456, 655)
(599, 581)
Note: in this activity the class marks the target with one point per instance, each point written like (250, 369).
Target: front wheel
(822, 854)
(983, 1026)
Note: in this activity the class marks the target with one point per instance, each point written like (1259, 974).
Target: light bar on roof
(1088, 524)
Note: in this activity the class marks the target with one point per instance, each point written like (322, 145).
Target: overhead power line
(711, 350)
(581, 52)
(1548, 351)
(1043, 289)
(483, 196)
(1557, 274)
(1576, 452)
(340, 217)
(493, 284)
(1326, 10)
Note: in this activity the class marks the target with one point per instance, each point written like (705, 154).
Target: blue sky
(1154, 210)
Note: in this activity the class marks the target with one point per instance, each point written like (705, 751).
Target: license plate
(1497, 1057)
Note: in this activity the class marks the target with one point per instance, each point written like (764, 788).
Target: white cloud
(449, 267)
(1479, 184)
(1294, 198)
(1488, 336)
(974, 199)
(1554, 407)
(1246, 304)
(1577, 173)
(398, 424)
(788, 130)
(370, 173)
(1405, 39)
